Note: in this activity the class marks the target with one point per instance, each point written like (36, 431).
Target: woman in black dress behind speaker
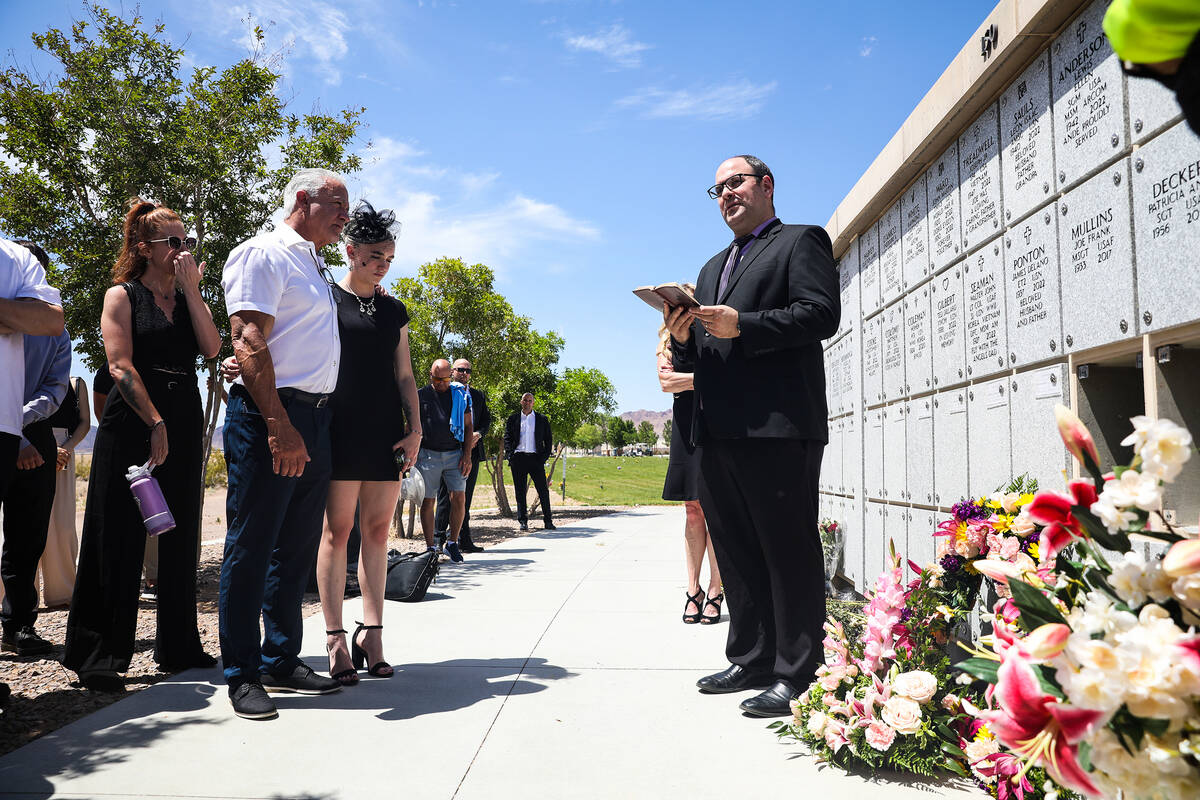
(374, 421)
(682, 483)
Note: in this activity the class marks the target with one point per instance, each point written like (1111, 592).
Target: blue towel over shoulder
(460, 403)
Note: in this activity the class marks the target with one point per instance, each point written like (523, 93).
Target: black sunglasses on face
(176, 243)
(463, 369)
(732, 182)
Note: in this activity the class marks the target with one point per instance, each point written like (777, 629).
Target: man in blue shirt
(29, 498)
(446, 421)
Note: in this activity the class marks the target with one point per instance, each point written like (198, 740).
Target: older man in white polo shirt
(28, 305)
(285, 337)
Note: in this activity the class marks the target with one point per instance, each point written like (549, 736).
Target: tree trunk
(398, 518)
(498, 487)
(412, 519)
(212, 410)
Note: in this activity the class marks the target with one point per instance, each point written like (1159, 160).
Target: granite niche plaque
(893, 352)
(918, 345)
(949, 322)
(1031, 281)
(849, 283)
(873, 453)
(895, 471)
(852, 456)
(950, 445)
(979, 172)
(833, 378)
(1033, 396)
(872, 361)
(1166, 228)
(945, 218)
(915, 238)
(831, 461)
(851, 371)
(1095, 251)
(919, 450)
(868, 270)
(852, 556)
(1026, 141)
(1089, 93)
(891, 269)
(989, 448)
(875, 550)
(1152, 107)
(987, 340)
(922, 524)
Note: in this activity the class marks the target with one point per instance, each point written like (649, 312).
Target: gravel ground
(45, 695)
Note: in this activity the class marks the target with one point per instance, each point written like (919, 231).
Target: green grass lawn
(614, 481)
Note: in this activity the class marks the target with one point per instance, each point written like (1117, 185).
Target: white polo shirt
(528, 443)
(20, 276)
(277, 273)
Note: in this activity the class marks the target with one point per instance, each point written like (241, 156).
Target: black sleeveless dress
(683, 466)
(368, 414)
(104, 607)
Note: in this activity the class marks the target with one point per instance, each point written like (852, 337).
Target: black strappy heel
(715, 602)
(697, 600)
(381, 669)
(346, 677)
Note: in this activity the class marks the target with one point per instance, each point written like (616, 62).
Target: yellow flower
(944, 612)
(1002, 523)
(1035, 552)
(1025, 499)
(983, 734)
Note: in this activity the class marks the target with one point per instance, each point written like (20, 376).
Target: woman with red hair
(154, 324)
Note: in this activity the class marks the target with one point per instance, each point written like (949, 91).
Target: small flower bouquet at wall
(833, 542)
(1092, 669)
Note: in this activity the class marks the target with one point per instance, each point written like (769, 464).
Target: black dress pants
(441, 523)
(533, 467)
(760, 499)
(28, 503)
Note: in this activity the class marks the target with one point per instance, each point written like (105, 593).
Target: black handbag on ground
(409, 575)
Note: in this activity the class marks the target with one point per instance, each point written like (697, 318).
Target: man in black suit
(527, 444)
(754, 346)
(481, 417)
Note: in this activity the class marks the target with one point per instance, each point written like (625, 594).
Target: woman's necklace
(367, 307)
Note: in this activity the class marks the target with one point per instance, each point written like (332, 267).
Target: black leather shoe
(774, 702)
(549, 526)
(102, 681)
(735, 679)
(301, 680)
(524, 526)
(25, 642)
(469, 547)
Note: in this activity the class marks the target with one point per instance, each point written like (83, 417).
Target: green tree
(587, 436)
(455, 312)
(646, 433)
(668, 429)
(620, 433)
(121, 120)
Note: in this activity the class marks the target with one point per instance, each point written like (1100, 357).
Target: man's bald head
(439, 375)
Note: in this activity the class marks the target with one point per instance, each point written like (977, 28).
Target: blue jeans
(274, 531)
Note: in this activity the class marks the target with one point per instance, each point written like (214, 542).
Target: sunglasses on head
(176, 243)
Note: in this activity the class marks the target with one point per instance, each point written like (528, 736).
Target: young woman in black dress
(682, 483)
(373, 423)
(154, 324)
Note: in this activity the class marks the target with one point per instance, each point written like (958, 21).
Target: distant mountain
(656, 418)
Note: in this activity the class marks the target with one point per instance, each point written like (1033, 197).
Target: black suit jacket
(481, 420)
(541, 435)
(768, 382)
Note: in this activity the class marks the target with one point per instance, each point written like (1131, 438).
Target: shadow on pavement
(110, 736)
(419, 689)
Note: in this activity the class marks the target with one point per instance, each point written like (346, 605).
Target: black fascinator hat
(368, 226)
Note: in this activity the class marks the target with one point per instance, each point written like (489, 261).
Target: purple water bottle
(150, 501)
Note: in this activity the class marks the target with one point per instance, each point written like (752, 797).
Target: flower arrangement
(1092, 670)
(833, 541)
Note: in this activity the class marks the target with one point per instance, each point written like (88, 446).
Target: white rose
(980, 749)
(902, 714)
(1134, 488)
(1187, 590)
(816, 723)
(916, 685)
(1023, 524)
(1162, 445)
(1114, 518)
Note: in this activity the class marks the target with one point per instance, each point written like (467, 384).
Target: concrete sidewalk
(553, 666)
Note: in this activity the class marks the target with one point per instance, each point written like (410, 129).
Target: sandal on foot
(346, 677)
(715, 602)
(380, 669)
(696, 600)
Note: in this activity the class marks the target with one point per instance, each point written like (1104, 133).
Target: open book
(674, 294)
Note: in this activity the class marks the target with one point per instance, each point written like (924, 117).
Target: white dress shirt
(20, 276)
(278, 273)
(528, 443)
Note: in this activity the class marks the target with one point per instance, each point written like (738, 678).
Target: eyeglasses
(732, 182)
(176, 243)
(467, 370)
(436, 379)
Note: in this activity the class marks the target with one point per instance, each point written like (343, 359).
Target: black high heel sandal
(380, 669)
(697, 600)
(715, 602)
(346, 677)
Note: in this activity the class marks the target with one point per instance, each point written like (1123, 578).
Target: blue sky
(568, 144)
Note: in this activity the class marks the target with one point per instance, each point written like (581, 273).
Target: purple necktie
(735, 253)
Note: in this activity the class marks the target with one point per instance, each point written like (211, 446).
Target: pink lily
(1075, 435)
(1046, 641)
(1037, 727)
(1010, 777)
(1054, 511)
(1182, 559)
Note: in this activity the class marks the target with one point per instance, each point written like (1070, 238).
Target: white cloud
(867, 45)
(616, 44)
(448, 212)
(720, 101)
(313, 31)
